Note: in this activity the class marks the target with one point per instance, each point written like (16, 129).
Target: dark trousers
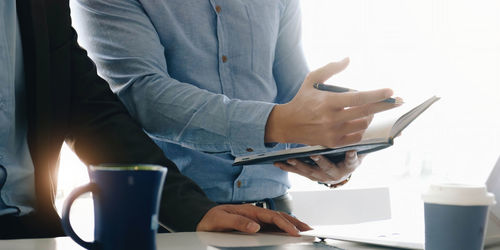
(281, 203)
(30, 226)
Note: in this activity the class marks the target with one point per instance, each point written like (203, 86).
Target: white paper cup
(455, 216)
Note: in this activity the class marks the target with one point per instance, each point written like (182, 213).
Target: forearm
(178, 112)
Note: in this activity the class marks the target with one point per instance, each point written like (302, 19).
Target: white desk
(205, 241)
(199, 240)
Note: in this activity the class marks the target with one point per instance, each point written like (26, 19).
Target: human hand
(249, 219)
(325, 171)
(325, 118)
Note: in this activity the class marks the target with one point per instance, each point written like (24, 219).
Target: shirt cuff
(248, 127)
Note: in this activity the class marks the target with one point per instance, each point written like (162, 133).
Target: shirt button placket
(226, 86)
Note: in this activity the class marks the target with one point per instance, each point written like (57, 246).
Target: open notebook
(379, 135)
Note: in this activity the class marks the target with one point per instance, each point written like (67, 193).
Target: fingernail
(351, 154)
(253, 227)
(291, 162)
(315, 158)
(399, 101)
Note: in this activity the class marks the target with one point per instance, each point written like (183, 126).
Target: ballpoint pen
(337, 89)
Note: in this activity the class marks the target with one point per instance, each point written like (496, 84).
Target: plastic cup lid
(458, 194)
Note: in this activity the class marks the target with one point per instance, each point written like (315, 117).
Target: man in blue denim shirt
(210, 80)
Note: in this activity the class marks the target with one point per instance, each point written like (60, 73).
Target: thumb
(324, 73)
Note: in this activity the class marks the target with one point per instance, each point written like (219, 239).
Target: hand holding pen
(325, 118)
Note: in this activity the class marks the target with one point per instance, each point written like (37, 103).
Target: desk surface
(205, 241)
(200, 240)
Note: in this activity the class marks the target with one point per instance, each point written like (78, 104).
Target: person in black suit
(63, 99)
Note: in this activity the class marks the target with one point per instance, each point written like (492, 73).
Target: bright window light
(419, 49)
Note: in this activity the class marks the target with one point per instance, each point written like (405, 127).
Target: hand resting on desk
(249, 219)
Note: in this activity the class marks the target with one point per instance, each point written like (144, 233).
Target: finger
(351, 158)
(323, 163)
(354, 125)
(273, 217)
(354, 113)
(312, 172)
(349, 139)
(346, 167)
(324, 73)
(353, 99)
(286, 167)
(336, 173)
(298, 224)
(326, 172)
(351, 162)
(227, 221)
(290, 166)
(241, 223)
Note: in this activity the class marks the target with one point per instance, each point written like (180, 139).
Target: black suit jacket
(68, 101)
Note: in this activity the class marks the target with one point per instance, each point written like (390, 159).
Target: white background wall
(419, 48)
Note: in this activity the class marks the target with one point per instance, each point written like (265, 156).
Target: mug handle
(90, 187)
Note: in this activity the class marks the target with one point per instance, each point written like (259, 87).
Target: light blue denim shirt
(17, 191)
(201, 76)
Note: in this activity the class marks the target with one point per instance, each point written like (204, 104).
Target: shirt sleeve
(290, 66)
(124, 44)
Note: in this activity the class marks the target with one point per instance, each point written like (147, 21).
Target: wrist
(275, 126)
(335, 184)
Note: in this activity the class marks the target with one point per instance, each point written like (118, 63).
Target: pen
(337, 89)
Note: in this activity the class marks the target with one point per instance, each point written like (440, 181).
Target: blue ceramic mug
(126, 203)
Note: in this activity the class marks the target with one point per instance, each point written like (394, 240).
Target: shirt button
(218, 8)
(224, 59)
(249, 149)
(238, 184)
